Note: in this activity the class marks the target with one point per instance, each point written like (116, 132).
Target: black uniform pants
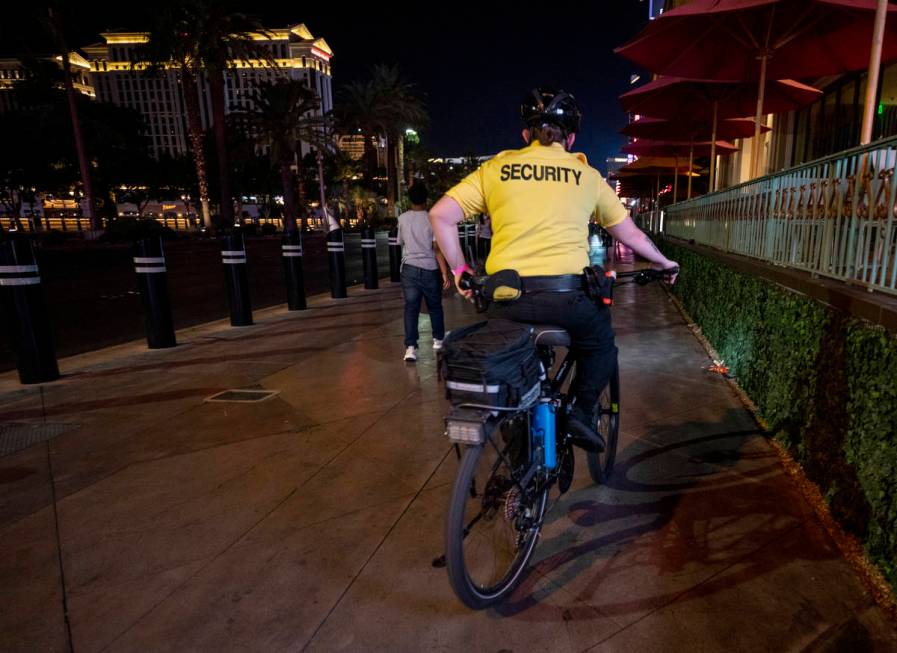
(590, 331)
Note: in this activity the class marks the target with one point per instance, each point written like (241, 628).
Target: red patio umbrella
(644, 184)
(753, 40)
(674, 97)
(667, 149)
(690, 130)
(654, 164)
(676, 150)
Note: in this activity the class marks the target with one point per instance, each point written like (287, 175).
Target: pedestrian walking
(424, 272)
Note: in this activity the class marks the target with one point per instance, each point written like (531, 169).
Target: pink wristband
(461, 269)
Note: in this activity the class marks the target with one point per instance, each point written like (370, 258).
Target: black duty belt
(552, 283)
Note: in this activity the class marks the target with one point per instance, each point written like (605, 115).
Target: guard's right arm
(466, 198)
(444, 217)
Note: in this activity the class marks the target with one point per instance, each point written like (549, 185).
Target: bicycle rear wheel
(493, 522)
(601, 465)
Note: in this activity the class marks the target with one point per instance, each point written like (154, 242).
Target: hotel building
(13, 71)
(119, 77)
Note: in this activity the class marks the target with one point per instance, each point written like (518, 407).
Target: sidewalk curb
(849, 546)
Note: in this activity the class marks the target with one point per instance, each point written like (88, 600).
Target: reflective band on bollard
(395, 256)
(152, 281)
(19, 275)
(369, 259)
(292, 270)
(336, 257)
(24, 311)
(236, 279)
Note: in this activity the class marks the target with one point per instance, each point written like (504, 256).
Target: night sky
(473, 61)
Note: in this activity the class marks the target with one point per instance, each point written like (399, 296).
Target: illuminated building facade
(120, 78)
(352, 145)
(13, 71)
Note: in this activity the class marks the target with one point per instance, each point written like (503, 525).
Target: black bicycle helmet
(545, 105)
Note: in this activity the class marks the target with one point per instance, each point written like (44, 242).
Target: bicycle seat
(551, 336)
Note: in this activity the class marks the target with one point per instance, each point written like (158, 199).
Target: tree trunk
(289, 201)
(216, 87)
(391, 176)
(400, 158)
(83, 161)
(370, 158)
(194, 131)
(334, 223)
(302, 204)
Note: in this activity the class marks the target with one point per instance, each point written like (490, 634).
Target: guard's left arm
(444, 217)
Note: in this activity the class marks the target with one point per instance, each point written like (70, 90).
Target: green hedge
(826, 384)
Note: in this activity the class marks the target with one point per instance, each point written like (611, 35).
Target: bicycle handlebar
(474, 284)
(646, 275)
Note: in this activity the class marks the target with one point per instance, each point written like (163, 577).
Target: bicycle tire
(472, 594)
(601, 465)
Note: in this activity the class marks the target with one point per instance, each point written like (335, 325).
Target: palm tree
(56, 29)
(166, 46)
(384, 105)
(356, 111)
(213, 37)
(282, 115)
(399, 106)
(220, 37)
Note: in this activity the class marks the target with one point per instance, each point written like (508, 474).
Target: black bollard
(472, 241)
(236, 279)
(462, 239)
(22, 300)
(395, 256)
(369, 258)
(292, 269)
(152, 280)
(336, 251)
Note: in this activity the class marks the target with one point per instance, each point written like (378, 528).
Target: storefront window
(800, 137)
(845, 123)
(814, 124)
(886, 111)
(825, 125)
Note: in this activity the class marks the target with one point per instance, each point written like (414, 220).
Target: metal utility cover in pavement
(243, 396)
(16, 436)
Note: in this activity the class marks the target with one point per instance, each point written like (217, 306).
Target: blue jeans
(418, 283)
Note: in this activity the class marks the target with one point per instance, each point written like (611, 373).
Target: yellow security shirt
(540, 199)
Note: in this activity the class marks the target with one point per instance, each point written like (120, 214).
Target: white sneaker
(437, 344)
(411, 354)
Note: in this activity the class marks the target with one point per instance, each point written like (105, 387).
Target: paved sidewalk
(156, 521)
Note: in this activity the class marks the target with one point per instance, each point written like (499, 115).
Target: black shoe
(583, 436)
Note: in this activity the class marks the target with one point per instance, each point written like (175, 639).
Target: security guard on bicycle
(541, 198)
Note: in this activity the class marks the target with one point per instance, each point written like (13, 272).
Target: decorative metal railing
(835, 217)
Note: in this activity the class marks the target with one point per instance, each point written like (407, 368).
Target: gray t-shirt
(416, 239)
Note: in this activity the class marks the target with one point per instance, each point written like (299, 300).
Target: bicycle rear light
(466, 426)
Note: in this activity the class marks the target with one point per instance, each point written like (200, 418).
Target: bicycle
(512, 459)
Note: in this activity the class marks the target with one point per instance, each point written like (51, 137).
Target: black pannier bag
(491, 363)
